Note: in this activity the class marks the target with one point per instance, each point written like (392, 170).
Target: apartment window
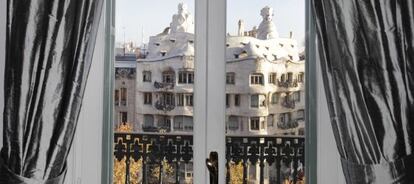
(284, 117)
(183, 123)
(270, 120)
(272, 78)
(257, 101)
(300, 115)
(233, 123)
(116, 98)
(227, 100)
(257, 123)
(290, 77)
(124, 96)
(148, 120)
(168, 98)
(164, 122)
(123, 117)
(237, 100)
(254, 101)
(146, 76)
(230, 78)
(256, 79)
(168, 77)
(301, 77)
(148, 98)
(296, 96)
(189, 99)
(180, 99)
(185, 77)
(283, 78)
(190, 78)
(275, 98)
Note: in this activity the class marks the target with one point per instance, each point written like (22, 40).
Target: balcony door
(197, 77)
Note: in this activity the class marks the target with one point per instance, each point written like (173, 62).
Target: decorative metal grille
(285, 154)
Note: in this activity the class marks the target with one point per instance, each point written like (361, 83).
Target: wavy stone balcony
(283, 157)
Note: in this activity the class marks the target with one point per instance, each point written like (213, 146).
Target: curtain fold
(49, 48)
(367, 56)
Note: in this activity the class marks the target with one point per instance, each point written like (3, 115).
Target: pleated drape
(367, 58)
(49, 49)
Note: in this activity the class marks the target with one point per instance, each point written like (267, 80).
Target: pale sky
(137, 19)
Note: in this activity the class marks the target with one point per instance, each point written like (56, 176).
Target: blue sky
(135, 17)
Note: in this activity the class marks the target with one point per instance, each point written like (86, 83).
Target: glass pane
(265, 90)
(154, 76)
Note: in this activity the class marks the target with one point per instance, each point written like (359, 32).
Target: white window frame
(209, 88)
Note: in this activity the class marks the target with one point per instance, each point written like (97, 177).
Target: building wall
(242, 67)
(128, 82)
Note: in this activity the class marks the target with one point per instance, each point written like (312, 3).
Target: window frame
(210, 18)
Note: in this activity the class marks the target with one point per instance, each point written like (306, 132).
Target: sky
(136, 20)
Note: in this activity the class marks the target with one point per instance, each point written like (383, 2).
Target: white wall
(84, 164)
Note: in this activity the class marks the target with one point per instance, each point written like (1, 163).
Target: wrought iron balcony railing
(288, 84)
(163, 106)
(163, 85)
(289, 104)
(283, 157)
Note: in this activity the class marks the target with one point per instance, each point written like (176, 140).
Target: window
(283, 78)
(189, 99)
(296, 96)
(233, 123)
(284, 117)
(167, 99)
(183, 123)
(255, 123)
(254, 101)
(116, 98)
(148, 98)
(227, 100)
(146, 76)
(301, 77)
(123, 117)
(272, 78)
(148, 121)
(275, 98)
(257, 101)
(185, 77)
(124, 96)
(290, 77)
(164, 122)
(270, 120)
(300, 114)
(237, 100)
(230, 78)
(190, 78)
(180, 99)
(168, 77)
(256, 79)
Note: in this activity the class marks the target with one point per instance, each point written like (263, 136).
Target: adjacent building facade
(264, 81)
(124, 94)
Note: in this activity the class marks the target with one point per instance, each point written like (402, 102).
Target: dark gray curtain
(367, 58)
(49, 48)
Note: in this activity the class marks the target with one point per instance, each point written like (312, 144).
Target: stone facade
(124, 94)
(265, 81)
